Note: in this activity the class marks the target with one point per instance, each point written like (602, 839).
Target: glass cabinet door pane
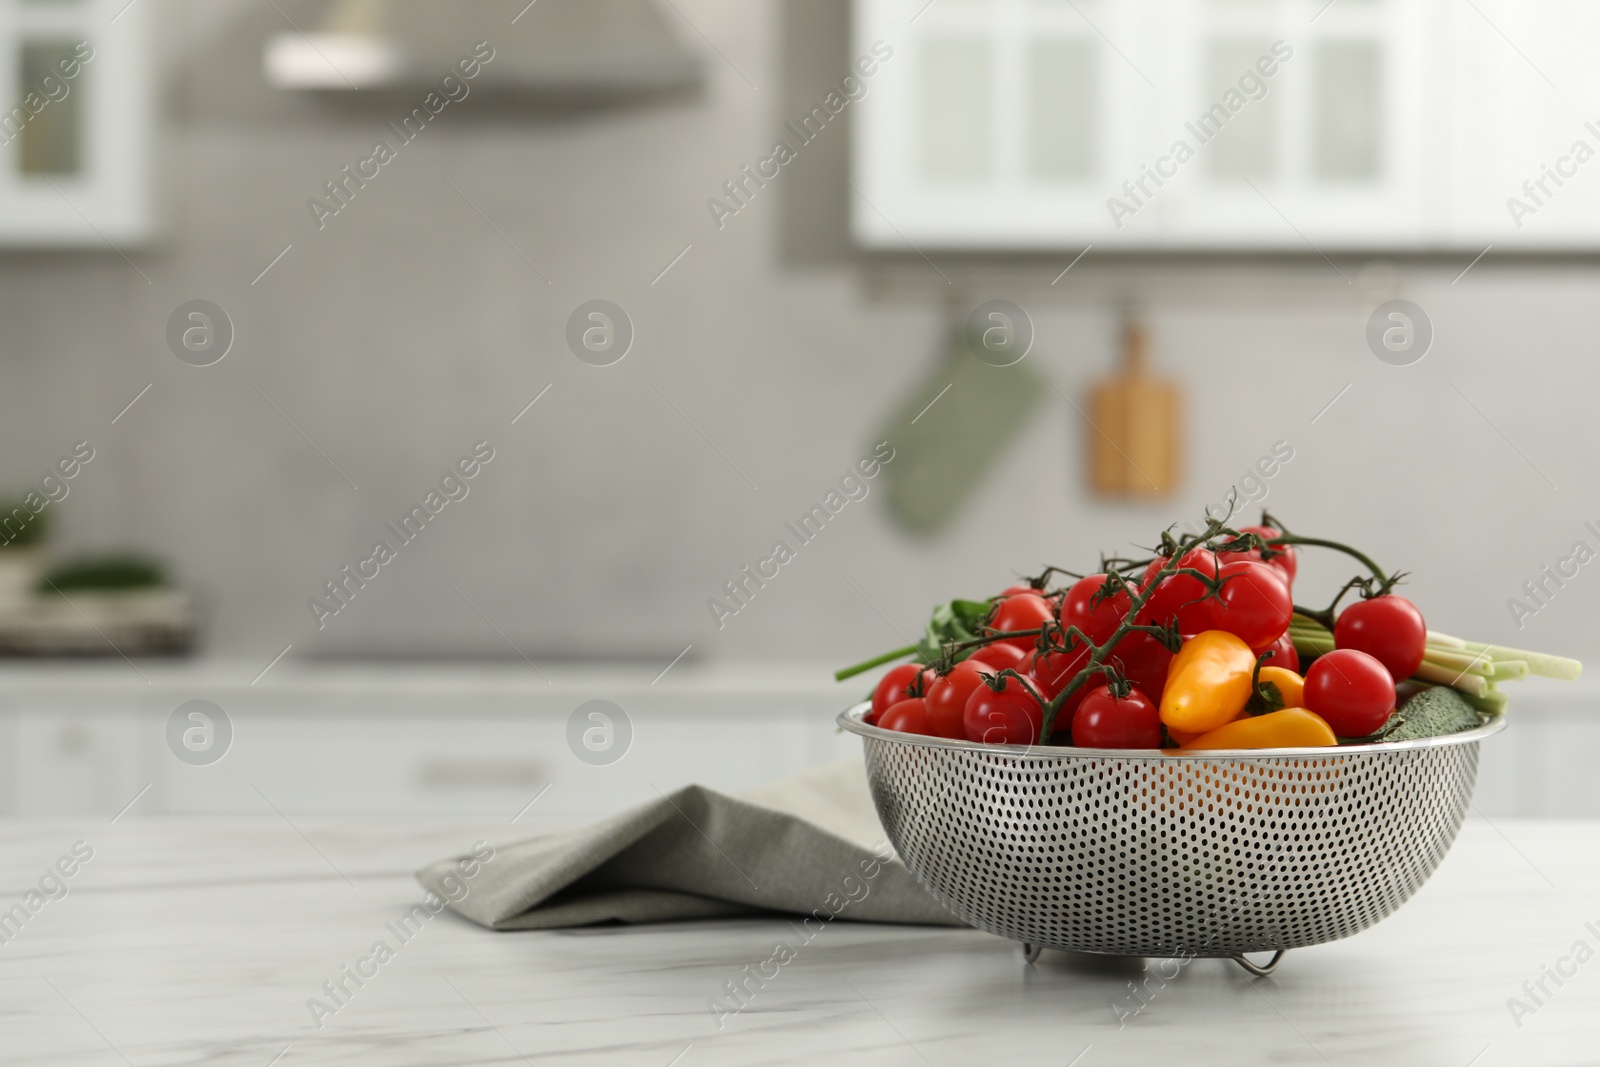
(1348, 122)
(48, 117)
(1061, 106)
(956, 86)
(1239, 112)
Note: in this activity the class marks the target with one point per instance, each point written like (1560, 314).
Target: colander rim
(850, 720)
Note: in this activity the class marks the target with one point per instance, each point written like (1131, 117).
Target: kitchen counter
(188, 941)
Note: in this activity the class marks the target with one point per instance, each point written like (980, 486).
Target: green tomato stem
(1136, 601)
(1355, 553)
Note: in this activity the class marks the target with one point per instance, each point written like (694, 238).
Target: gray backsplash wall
(409, 328)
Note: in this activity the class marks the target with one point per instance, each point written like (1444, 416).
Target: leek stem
(1475, 684)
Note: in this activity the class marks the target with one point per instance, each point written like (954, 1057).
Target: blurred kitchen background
(787, 312)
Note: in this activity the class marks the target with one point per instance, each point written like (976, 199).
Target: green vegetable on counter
(104, 573)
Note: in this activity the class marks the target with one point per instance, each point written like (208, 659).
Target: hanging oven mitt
(943, 451)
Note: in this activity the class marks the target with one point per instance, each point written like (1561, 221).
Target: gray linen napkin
(809, 845)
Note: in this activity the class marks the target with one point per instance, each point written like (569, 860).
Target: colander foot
(1260, 970)
(1031, 952)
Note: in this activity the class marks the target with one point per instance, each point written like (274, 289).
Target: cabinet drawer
(75, 761)
(477, 766)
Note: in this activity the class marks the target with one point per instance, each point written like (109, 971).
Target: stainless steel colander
(1138, 853)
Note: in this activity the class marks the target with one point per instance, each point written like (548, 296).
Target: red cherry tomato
(1389, 628)
(1179, 596)
(1011, 716)
(1351, 691)
(1284, 559)
(1098, 620)
(1024, 611)
(1051, 672)
(1140, 657)
(1256, 604)
(895, 686)
(1144, 661)
(1019, 590)
(1107, 721)
(1001, 655)
(1285, 654)
(947, 698)
(908, 716)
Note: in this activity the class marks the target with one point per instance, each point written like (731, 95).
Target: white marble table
(189, 941)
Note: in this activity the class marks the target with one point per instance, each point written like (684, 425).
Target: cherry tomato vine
(1115, 634)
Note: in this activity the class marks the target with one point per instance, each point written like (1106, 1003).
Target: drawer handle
(481, 774)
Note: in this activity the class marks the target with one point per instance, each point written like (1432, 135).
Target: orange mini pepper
(1208, 684)
(1289, 728)
(1183, 737)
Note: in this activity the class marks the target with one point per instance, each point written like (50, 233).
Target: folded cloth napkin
(809, 845)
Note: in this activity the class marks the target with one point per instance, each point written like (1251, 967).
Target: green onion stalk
(1471, 668)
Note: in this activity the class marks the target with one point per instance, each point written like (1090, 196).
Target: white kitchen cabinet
(74, 759)
(1304, 125)
(478, 763)
(86, 739)
(1554, 755)
(75, 123)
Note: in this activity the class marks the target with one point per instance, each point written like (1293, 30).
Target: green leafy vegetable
(1434, 713)
(956, 621)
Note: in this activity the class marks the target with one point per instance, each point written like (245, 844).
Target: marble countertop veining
(201, 941)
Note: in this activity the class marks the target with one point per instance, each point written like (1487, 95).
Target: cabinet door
(420, 755)
(76, 125)
(476, 766)
(70, 760)
(1294, 125)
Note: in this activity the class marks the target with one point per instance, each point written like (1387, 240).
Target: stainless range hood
(548, 49)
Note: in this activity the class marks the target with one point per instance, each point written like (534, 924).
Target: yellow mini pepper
(1289, 728)
(1209, 682)
(1291, 687)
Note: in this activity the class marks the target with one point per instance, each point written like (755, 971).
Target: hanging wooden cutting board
(1136, 422)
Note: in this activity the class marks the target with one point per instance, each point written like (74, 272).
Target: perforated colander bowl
(1140, 853)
